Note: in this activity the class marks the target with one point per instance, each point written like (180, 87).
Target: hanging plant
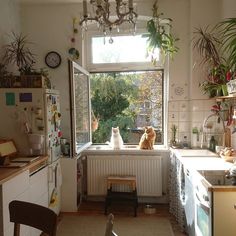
(159, 37)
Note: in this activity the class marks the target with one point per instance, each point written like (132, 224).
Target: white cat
(116, 141)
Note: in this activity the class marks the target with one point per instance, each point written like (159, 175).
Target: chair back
(109, 226)
(33, 215)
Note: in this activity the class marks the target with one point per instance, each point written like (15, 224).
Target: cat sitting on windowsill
(148, 138)
(116, 141)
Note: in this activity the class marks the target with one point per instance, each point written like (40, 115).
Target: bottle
(212, 145)
(185, 142)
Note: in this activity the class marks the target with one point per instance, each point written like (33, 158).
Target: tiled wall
(187, 114)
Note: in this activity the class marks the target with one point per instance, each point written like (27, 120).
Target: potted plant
(18, 53)
(217, 49)
(159, 37)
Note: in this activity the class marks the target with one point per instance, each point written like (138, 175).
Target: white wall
(228, 8)
(9, 21)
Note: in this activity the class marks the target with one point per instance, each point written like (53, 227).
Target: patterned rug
(85, 225)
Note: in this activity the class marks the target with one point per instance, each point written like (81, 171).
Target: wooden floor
(97, 208)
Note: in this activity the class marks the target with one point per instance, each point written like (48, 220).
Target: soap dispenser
(212, 145)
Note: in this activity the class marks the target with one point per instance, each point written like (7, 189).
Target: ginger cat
(148, 138)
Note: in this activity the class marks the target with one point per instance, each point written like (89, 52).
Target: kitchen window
(123, 58)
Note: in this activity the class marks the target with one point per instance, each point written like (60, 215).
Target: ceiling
(49, 1)
(59, 1)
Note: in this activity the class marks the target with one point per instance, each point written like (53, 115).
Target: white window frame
(109, 67)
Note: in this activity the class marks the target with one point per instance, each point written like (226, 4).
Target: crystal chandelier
(102, 15)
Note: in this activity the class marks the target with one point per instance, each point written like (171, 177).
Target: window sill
(127, 149)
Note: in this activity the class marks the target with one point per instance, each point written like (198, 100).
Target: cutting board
(227, 137)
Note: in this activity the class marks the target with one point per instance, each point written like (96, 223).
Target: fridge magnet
(25, 97)
(10, 99)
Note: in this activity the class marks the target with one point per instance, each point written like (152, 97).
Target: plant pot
(224, 90)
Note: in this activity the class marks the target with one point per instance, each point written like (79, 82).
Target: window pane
(122, 50)
(130, 100)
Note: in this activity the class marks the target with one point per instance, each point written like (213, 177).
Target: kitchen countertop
(212, 162)
(8, 173)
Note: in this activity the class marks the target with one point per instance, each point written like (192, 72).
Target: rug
(85, 225)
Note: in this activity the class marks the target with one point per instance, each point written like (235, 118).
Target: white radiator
(147, 170)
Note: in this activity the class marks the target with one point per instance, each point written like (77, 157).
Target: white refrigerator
(31, 117)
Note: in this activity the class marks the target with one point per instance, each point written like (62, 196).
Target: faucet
(204, 125)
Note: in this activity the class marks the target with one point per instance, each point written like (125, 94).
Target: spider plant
(158, 37)
(18, 53)
(227, 29)
(209, 45)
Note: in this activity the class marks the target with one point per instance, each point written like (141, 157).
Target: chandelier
(101, 10)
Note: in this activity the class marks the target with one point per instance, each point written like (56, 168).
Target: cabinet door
(16, 188)
(38, 187)
(38, 192)
(224, 213)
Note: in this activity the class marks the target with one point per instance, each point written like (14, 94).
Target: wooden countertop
(8, 173)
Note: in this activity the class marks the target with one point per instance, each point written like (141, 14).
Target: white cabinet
(25, 187)
(17, 188)
(224, 213)
(38, 192)
(71, 191)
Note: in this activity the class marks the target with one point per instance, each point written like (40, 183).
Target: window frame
(126, 67)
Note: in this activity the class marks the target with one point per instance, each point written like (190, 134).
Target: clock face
(53, 59)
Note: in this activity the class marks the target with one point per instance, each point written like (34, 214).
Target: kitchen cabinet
(224, 213)
(25, 186)
(17, 188)
(71, 191)
(38, 191)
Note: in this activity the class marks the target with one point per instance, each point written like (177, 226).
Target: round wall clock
(53, 59)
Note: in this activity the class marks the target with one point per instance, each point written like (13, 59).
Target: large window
(129, 100)
(126, 89)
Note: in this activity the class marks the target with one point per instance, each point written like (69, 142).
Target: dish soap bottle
(212, 145)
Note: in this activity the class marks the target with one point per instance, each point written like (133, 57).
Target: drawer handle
(235, 206)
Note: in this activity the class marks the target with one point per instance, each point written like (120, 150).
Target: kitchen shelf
(230, 96)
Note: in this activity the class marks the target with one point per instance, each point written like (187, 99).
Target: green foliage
(217, 47)
(109, 96)
(159, 37)
(227, 29)
(104, 130)
(18, 53)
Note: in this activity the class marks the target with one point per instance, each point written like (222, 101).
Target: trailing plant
(18, 53)
(159, 37)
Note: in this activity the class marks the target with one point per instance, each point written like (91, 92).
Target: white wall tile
(184, 116)
(173, 116)
(184, 106)
(198, 116)
(173, 106)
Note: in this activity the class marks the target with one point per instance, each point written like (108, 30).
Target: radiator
(147, 170)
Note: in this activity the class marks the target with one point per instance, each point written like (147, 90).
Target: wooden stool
(121, 196)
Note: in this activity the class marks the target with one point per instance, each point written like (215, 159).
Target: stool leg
(135, 203)
(107, 201)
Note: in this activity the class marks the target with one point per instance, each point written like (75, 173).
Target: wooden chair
(109, 226)
(33, 215)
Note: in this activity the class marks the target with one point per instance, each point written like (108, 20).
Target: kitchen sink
(196, 153)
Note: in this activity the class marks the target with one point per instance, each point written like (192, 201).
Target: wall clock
(53, 59)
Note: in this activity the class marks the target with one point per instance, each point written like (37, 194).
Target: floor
(162, 210)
